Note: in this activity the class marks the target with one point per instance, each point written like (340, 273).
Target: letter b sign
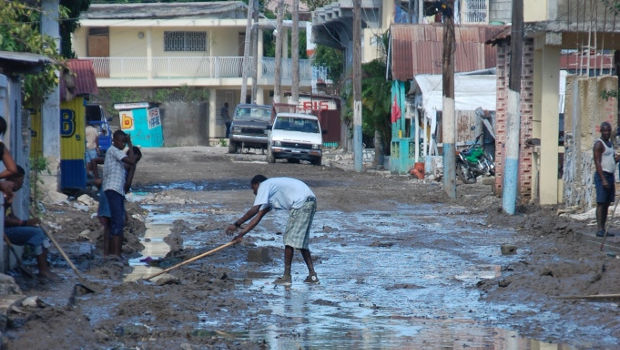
(67, 123)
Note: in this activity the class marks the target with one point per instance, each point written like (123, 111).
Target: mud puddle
(216, 185)
(391, 279)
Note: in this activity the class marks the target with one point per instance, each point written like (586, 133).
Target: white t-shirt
(282, 193)
(91, 137)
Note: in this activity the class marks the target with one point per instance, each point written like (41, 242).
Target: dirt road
(400, 265)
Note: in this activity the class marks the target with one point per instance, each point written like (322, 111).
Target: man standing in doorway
(289, 194)
(605, 161)
(226, 118)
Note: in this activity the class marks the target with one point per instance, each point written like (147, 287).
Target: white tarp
(470, 92)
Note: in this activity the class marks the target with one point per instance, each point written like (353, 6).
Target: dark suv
(250, 126)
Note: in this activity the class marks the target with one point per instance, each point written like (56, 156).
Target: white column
(550, 124)
(149, 54)
(284, 42)
(50, 111)
(213, 132)
(259, 56)
(260, 96)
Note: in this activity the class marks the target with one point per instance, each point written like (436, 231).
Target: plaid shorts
(297, 232)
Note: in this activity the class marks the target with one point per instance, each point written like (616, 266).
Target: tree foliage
(376, 103)
(331, 58)
(269, 44)
(20, 32)
(73, 9)
(376, 93)
(146, 1)
(315, 4)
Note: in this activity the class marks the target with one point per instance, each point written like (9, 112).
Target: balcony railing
(194, 67)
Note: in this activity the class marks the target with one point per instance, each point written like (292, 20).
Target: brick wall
(527, 117)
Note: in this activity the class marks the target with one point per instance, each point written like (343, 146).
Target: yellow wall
(36, 138)
(387, 14)
(72, 129)
(78, 41)
(224, 41)
(370, 49)
(535, 10)
(124, 42)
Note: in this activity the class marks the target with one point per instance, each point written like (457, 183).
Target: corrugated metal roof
(21, 62)
(417, 49)
(83, 79)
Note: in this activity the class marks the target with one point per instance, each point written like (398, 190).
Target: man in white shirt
(114, 176)
(288, 194)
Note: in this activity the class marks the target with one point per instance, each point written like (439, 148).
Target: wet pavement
(396, 279)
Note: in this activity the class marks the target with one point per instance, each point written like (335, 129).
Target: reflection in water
(154, 247)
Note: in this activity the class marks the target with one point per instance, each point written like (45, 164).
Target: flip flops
(312, 279)
(283, 281)
(601, 233)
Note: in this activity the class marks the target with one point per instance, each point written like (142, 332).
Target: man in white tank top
(605, 159)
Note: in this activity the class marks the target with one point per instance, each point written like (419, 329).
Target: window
(185, 41)
(475, 11)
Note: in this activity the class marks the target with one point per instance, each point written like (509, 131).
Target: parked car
(295, 137)
(96, 117)
(249, 128)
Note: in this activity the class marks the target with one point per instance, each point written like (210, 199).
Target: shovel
(607, 224)
(83, 282)
(21, 267)
(194, 258)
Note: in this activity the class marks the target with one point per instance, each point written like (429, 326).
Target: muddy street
(400, 266)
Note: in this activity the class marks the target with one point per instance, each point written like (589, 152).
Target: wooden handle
(48, 233)
(62, 252)
(194, 258)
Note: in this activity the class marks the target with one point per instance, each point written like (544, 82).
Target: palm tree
(376, 106)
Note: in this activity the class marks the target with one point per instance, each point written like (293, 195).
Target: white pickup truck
(295, 137)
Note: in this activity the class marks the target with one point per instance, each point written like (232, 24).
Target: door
(98, 45)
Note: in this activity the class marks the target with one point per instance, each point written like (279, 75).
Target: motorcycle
(473, 162)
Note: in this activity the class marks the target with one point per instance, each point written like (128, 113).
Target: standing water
(388, 279)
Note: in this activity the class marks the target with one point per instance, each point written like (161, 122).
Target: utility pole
(246, 54)
(448, 120)
(50, 111)
(357, 86)
(511, 164)
(255, 50)
(295, 54)
(278, 69)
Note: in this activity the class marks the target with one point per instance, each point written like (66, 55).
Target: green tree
(315, 4)
(19, 32)
(73, 8)
(331, 58)
(269, 44)
(376, 103)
